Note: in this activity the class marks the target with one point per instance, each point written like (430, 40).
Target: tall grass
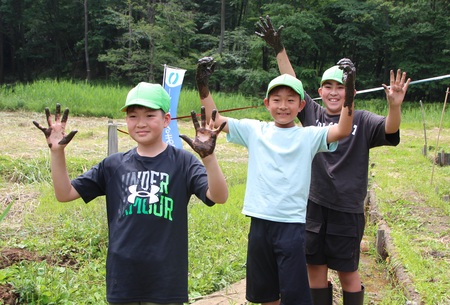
(84, 99)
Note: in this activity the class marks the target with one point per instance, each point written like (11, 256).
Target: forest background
(125, 42)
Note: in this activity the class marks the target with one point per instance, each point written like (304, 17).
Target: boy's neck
(151, 150)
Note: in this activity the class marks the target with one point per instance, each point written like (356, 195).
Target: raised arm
(205, 68)
(344, 127)
(57, 141)
(395, 95)
(273, 38)
(204, 144)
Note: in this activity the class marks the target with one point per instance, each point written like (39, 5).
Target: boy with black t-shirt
(147, 192)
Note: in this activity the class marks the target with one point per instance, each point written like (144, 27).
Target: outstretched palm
(271, 36)
(395, 93)
(204, 142)
(55, 133)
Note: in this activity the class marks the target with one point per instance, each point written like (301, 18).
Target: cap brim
(146, 104)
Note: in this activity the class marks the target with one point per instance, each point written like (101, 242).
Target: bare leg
(318, 276)
(350, 281)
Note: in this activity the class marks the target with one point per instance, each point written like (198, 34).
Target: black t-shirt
(146, 201)
(339, 179)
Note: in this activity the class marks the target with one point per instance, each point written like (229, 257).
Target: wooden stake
(425, 147)
(439, 133)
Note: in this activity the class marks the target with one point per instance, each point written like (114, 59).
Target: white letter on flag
(173, 80)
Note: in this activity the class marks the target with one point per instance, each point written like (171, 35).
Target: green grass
(73, 236)
(84, 99)
(413, 205)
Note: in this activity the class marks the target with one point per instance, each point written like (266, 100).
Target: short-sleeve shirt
(279, 167)
(146, 201)
(339, 180)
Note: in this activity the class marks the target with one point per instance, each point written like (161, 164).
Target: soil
(12, 256)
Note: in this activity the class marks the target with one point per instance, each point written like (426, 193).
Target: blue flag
(173, 80)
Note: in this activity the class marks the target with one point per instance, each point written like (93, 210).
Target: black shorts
(276, 265)
(333, 238)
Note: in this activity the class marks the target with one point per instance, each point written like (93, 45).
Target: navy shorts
(276, 265)
(333, 238)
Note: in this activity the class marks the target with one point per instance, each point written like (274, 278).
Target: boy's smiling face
(333, 96)
(146, 125)
(284, 104)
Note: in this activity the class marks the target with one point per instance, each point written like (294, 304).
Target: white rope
(411, 83)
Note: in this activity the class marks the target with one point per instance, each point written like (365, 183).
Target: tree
(422, 44)
(86, 45)
(222, 26)
(131, 40)
(152, 34)
(2, 70)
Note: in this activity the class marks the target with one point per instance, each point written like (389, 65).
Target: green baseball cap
(286, 80)
(333, 73)
(152, 96)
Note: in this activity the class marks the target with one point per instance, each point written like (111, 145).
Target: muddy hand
(55, 133)
(205, 136)
(268, 33)
(349, 78)
(205, 68)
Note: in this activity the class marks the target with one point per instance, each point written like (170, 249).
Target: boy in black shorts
(280, 154)
(335, 214)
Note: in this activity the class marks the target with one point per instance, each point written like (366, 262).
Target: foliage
(144, 34)
(131, 41)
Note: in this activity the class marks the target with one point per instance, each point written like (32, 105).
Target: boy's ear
(302, 105)
(266, 102)
(167, 119)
